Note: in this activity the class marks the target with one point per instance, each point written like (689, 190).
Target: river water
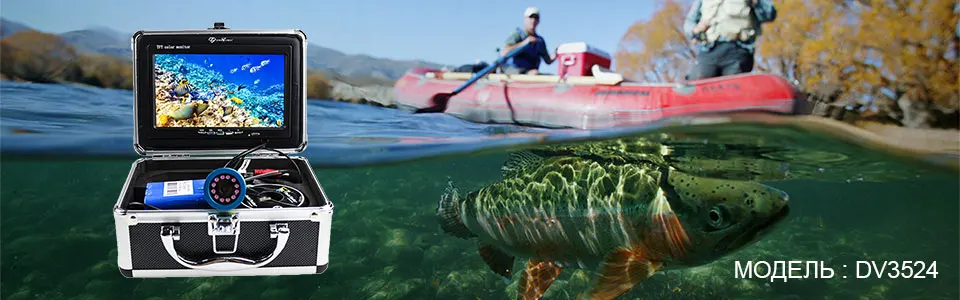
(66, 152)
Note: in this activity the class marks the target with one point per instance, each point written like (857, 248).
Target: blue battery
(183, 194)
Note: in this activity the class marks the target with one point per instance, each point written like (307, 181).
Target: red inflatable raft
(592, 97)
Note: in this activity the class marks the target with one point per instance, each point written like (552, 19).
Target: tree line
(41, 57)
(892, 61)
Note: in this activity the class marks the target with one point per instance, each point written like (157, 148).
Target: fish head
(720, 216)
(201, 106)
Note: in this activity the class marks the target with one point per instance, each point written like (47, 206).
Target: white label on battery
(177, 188)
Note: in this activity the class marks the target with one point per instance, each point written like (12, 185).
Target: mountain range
(334, 63)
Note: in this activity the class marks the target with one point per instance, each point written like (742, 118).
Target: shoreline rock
(376, 95)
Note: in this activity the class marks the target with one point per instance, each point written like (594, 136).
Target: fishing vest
(728, 19)
(529, 58)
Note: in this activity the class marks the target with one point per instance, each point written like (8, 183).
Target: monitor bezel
(149, 139)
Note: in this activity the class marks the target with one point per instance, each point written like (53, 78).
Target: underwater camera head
(219, 90)
(224, 189)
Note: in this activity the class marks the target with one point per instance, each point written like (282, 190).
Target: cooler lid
(219, 91)
(581, 47)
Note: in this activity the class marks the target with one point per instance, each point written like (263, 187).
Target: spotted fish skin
(568, 210)
(714, 164)
(628, 217)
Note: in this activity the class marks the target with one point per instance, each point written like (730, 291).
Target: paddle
(440, 100)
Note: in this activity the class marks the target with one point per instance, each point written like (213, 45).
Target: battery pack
(183, 194)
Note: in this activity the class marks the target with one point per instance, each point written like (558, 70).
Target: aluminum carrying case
(203, 241)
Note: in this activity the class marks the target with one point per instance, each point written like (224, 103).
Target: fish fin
(537, 278)
(620, 272)
(448, 212)
(518, 161)
(498, 261)
(670, 235)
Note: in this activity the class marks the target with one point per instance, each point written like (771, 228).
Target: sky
(449, 32)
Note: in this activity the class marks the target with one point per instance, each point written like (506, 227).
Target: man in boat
(725, 32)
(528, 61)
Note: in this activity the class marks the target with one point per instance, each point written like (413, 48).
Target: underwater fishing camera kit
(219, 115)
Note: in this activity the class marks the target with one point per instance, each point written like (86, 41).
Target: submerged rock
(398, 248)
(460, 284)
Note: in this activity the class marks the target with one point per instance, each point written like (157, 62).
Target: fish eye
(717, 217)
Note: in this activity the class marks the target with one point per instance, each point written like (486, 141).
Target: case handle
(169, 234)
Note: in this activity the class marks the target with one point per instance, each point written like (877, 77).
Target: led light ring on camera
(224, 189)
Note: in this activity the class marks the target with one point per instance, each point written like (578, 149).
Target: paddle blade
(439, 104)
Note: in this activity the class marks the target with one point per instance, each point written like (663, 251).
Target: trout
(625, 219)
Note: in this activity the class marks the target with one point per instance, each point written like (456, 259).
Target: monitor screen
(219, 90)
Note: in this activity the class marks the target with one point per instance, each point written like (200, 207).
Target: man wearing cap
(528, 61)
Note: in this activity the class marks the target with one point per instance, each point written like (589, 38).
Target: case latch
(224, 225)
(219, 25)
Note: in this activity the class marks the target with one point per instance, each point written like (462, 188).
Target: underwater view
(419, 200)
(219, 90)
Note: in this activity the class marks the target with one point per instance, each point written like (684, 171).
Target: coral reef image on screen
(219, 90)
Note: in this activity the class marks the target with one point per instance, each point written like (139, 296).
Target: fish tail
(448, 213)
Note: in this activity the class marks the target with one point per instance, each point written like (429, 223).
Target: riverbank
(38, 57)
(376, 95)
